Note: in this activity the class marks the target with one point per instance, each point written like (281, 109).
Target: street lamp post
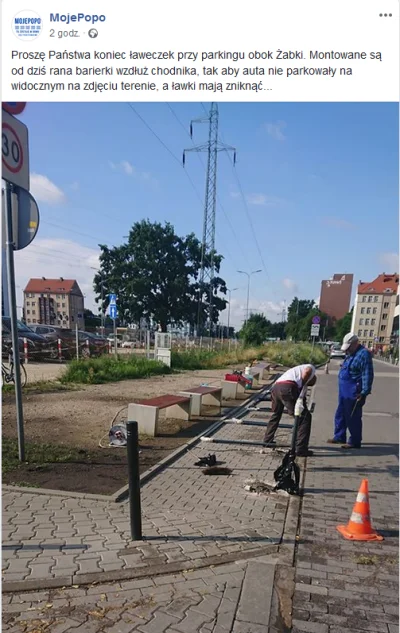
(102, 299)
(229, 315)
(242, 272)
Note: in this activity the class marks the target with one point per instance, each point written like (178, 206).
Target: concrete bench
(208, 396)
(264, 369)
(256, 372)
(146, 412)
(231, 390)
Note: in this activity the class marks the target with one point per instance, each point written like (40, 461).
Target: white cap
(348, 340)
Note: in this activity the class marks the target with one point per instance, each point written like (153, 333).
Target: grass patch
(38, 455)
(42, 386)
(287, 354)
(96, 371)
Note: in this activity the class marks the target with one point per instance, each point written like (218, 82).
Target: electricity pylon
(212, 147)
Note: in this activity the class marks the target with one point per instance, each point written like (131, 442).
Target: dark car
(38, 346)
(92, 344)
(54, 333)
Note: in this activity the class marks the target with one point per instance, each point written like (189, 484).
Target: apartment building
(374, 310)
(335, 295)
(54, 302)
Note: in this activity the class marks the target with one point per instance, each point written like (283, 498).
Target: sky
(314, 191)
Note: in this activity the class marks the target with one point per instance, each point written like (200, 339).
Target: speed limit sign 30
(14, 151)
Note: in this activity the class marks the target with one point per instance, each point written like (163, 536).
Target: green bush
(287, 354)
(112, 369)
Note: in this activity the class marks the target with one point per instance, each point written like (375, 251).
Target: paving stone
(159, 623)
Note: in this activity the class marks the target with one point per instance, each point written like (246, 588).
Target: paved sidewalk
(336, 586)
(189, 520)
(344, 586)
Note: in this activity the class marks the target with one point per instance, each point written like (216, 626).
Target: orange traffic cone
(359, 527)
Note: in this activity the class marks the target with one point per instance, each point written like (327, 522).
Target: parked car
(129, 344)
(38, 347)
(53, 333)
(111, 337)
(337, 352)
(97, 344)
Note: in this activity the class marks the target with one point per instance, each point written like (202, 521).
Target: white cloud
(275, 130)
(261, 200)
(53, 258)
(44, 190)
(125, 167)
(271, 309)
(390, 261)
(289, 284)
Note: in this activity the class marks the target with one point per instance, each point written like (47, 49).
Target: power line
(252, 226)
(204, 167)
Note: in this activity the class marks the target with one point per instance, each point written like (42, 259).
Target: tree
(343, 326)
(299, 310)
(156, 276)
(255, 330)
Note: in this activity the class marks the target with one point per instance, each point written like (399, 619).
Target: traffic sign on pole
(25, 218)
(113, 311)
(14, 151)
(112, 299)
(315, 329)
(13, 107)
(316, 320)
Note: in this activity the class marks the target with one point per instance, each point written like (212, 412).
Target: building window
(373, 321)
(364, 299)
(383, 328)
(374, 310)
(368, 310)
(58, 305)
(369, 298)
(384, 316)
(34, 320)
(371, 333)
(28, 312)
(365, 333)
(362, 310)
(63, 305)
(72, 317)
(33, 311)
(386, 305)
(28, 320)
(58, 296)
(63, 297)
(28, 303)
(359, 333)
(361, 321)
(376, 299)
(366, 321)
(381, 339)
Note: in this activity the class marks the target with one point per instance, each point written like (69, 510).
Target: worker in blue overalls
(356, 376)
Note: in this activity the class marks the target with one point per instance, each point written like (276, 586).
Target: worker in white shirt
(285, 392)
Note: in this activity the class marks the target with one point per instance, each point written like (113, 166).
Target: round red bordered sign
(12, 152)
(13, 107)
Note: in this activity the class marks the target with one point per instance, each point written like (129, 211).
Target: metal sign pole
(115, 335)
(13, 316)
(77, 341)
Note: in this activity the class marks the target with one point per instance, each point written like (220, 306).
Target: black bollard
(134, 480)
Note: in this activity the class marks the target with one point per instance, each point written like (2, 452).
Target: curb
(133, 573)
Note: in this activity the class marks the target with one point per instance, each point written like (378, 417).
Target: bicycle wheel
(24, 376)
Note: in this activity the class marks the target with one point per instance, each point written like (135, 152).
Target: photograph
(200, 330)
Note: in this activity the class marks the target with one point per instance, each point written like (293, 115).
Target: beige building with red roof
(374, 310)
(54, 302)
